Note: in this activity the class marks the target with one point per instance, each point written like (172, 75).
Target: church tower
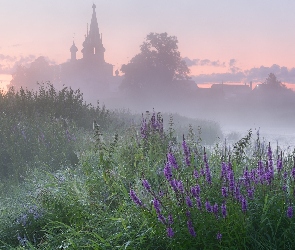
(92, 46)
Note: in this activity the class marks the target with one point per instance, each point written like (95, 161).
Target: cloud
(9, 63)
(203, 62)
(254, 74)
(7, 58)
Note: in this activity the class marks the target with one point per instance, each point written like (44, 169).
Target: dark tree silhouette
(39, 71)
(158, 64)
(272, 82)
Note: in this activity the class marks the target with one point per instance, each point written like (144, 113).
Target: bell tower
(92, 46)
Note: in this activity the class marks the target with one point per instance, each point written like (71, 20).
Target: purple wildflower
(191, 228)
(208, 206)
(188, 214)
(279, 165)
(188, 201)
(157, 206)
(224, 191)
(196, 174)
(22, 241)
(134, 197)
(174, 185)
(250, 192)
(161, 218)
(223, 210)
(218, 236)
(223, 170)
(172, 160)
(180, 186)
(186, 151)
(290, 212)
(293, 173)
(146, 185)
(215, 209)
(199, 203)
(170, 232)
(195, 191)
(168, 172)
(170, 219)
(244, 204)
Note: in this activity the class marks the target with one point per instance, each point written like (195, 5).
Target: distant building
(92, 74)
(232, 91)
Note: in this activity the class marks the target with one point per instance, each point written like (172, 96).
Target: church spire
(92, 46)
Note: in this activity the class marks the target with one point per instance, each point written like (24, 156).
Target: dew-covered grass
(128, 181)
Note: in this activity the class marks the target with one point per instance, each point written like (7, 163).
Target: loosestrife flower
(195, 191)
(199, 203)
(170, 219)
(188, 201)
(208, 206)
(134, 197)
(223, 210)
(191, 228)
(180, 186)
(207, 169)
(174, 185)
(215, 209)
(172, 160)
(146, 185)
(157, 206)
(290, 212)
(161, 218)
(196, 174)
(224, 192)
(170, 232)
(218, 236)
(244, 204)
(168, 171)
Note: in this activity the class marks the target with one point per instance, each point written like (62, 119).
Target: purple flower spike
(244, 204)
(170, 232)
(199, 203)
(174, 185)
(157, 206)
(223, 210)
(180, 186)
(172, 160)
(208, 206)
(168, 172)
(191, 228)
(218, 236)
(215, 209)
(134, 197)
(170, 219)
(195, 191)
(162, 218)
(196, 174)
(146, 185)
(188, 201)
(290, 212)
(224, 192)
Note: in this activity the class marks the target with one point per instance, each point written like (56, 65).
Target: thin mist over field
(149, 59)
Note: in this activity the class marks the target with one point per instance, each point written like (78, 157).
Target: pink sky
(253, 33)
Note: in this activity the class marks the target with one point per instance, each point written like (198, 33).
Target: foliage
(158, 63)
(142, 188)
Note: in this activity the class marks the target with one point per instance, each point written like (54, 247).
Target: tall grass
(138, 186)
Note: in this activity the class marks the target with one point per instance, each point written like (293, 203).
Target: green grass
(75, 193)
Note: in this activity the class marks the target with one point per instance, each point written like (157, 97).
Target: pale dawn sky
(215, 36)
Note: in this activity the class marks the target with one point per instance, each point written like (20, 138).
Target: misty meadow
(145, 155)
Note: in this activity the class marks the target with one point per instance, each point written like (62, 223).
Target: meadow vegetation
(74, 176)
